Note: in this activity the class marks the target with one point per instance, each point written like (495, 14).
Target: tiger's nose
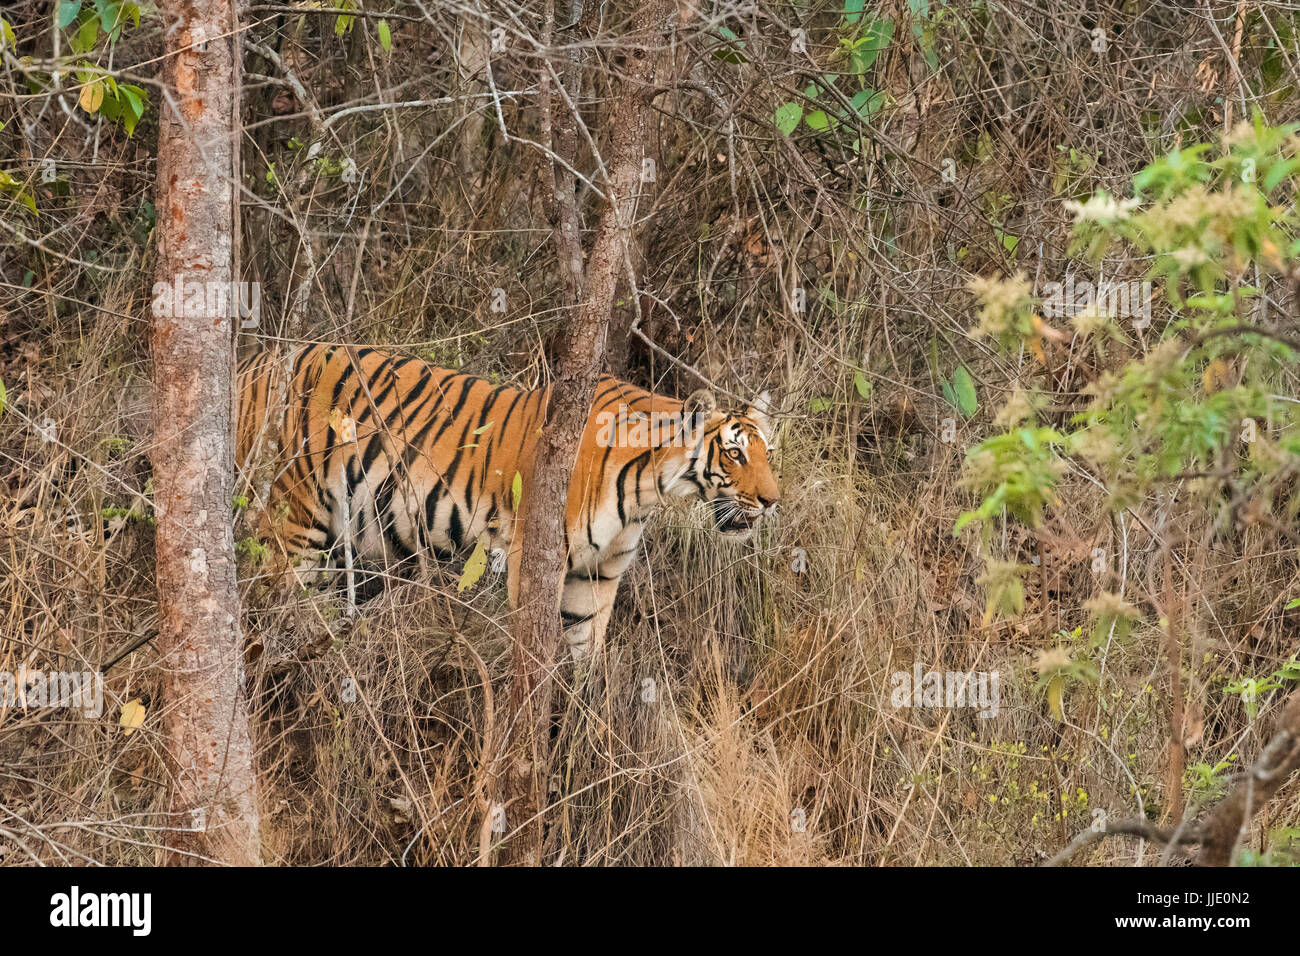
(767, 502)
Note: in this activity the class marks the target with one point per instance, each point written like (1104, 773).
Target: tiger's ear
(759, 412)
(700, 402)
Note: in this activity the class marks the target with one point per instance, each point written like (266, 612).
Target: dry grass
(766, 735)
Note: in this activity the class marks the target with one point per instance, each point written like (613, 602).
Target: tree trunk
(471, 68)
(537, 629)
(209, 749)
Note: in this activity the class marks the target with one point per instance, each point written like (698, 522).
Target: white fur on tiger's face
(741, 486)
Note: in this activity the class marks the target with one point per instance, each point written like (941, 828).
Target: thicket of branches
(826, 180)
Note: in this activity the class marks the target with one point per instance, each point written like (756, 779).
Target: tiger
(404, 459)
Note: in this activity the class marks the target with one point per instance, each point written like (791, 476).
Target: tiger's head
(730, 467)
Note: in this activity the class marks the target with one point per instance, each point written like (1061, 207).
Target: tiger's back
(425, 457)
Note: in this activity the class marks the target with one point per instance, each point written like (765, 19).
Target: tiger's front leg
(586, 602)
(585, 607)
(297, 558)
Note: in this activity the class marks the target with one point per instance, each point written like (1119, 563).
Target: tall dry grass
(741, 714)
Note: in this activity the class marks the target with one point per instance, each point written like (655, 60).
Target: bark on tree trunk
(472, 64)
(1177, 753)
(209, 749)
(537, 630)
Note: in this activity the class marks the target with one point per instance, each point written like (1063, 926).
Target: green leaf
(482, 429)
(853, 10)
(927, 51)
(517, 489)
(733, 53)
(862, 385)
(126, 106)
(84, 39)
(882, 31)
(819, 405)
(1279, 172)
(872, 45)
(110, 17)
(788, 116)
(111, 109)
(66, 12)
(817, 120)
(2, 396)
(963, 387)
(136, 98)
(866, 102)
(474, 568)
(385, 36)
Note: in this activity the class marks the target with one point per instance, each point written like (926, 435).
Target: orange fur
(427, 460)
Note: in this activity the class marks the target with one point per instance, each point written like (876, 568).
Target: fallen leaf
(132, 716)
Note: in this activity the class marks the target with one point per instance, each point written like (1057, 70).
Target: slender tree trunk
(209, 749)
(1177, 756)
(471, 66)
(537, 630)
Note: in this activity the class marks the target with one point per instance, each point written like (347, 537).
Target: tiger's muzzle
(733, 516)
